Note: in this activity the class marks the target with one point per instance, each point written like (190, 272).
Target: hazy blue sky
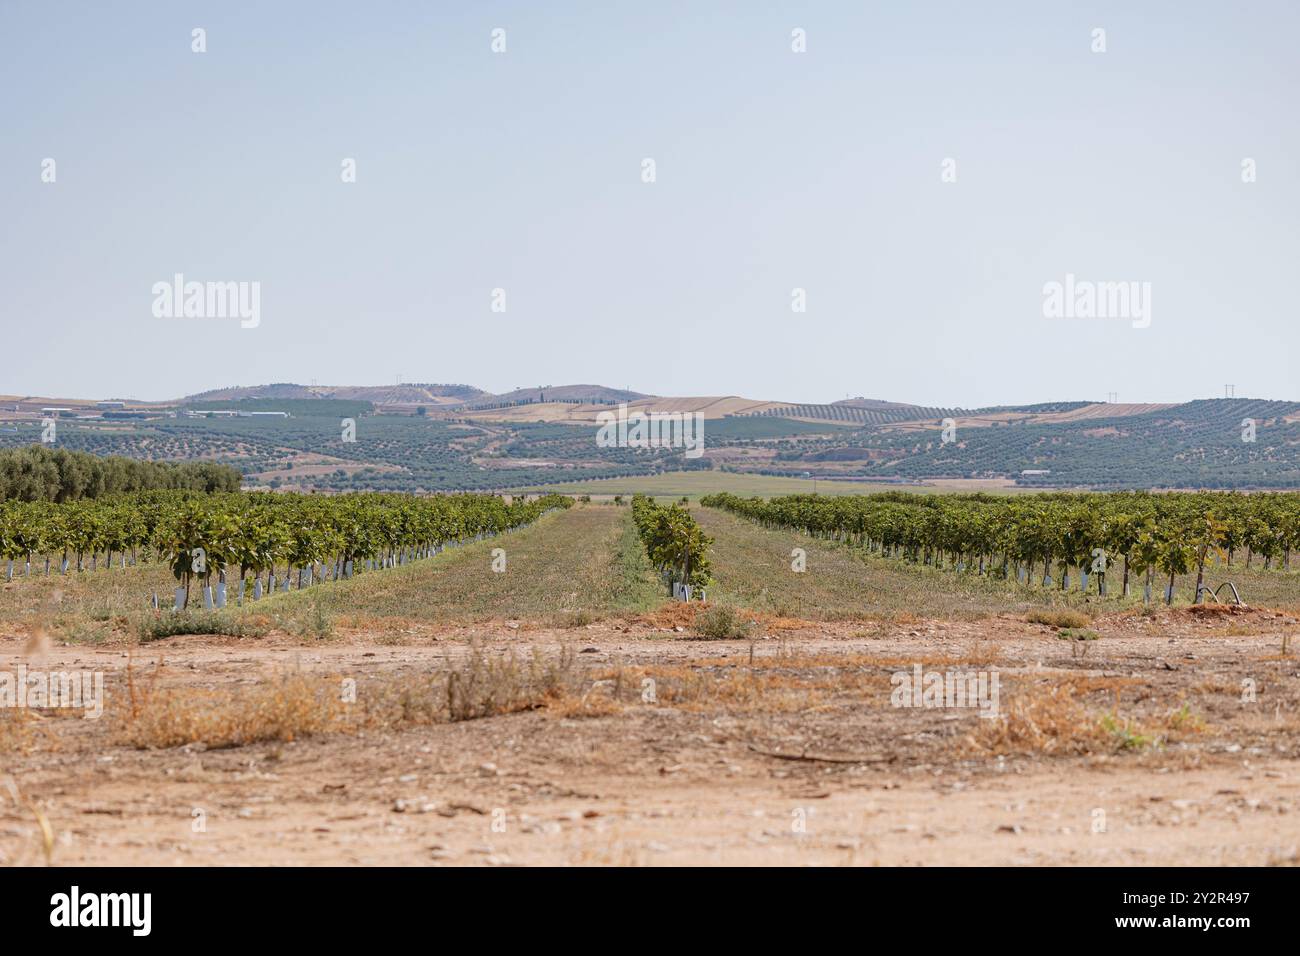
(775, 170)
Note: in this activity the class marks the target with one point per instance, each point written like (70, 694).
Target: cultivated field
(562, 711)
(693, 484)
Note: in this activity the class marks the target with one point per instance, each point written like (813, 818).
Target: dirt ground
(815, 767)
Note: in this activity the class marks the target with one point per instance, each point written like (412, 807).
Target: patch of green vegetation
(1126, 735)
(637, 586)
(312, 621)
(722, 623)
(153, 627)
(565, 563)
(1057, 617)
(754, 568)
(89, 632)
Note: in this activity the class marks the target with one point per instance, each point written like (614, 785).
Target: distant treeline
(37, 473)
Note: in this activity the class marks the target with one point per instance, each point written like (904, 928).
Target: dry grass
(287, 708)
(783, 682)
(569, 620)
(1042, 720)
(706, 689)
(44, 832)
(1051, 719)
(784, 656)
(292, 706)
(487, 686)
(21, 730)
(1058, 618)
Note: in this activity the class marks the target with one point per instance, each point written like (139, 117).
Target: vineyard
(249, 537)
(675, 543)
(1028, 538)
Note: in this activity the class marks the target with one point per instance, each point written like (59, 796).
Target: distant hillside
(574, 394)
(1194, 445)
(429, 437)
(404, 394)
(712, 407)
(298, 407)
(874, 404)
(876, 413)
(1038, 408)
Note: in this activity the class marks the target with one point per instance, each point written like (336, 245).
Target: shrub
(169, 623)
(1058, 618)
(315, 622)
(485, 686)
(721, 623)
(289, 708)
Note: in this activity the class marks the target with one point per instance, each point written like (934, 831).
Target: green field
(752, 569)
(693, 484)
(569, 567)
(575, 566)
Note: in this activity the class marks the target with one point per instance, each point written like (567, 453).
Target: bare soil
(781, 750)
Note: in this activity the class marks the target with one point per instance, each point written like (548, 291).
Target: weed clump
(486, 686)
(1058, 618)
(153, 627)
(722, 623)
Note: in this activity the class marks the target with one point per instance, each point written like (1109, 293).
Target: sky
(825, 171)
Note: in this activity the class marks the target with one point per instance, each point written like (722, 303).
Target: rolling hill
(429, 437)
(404, 394)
